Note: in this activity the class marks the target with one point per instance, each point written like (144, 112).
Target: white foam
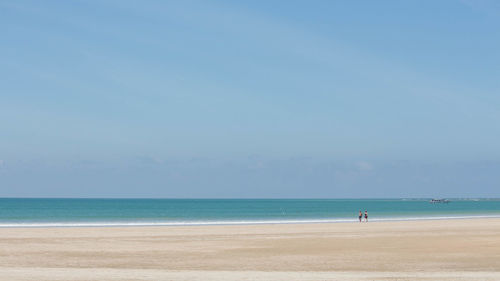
(228, 222)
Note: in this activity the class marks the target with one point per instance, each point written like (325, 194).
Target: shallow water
(118, 212)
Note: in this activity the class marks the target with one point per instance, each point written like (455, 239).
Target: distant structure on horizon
(439, 201)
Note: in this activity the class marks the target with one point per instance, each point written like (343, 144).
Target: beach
(459, 249)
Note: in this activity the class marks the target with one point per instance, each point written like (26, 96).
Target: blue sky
(250, 99)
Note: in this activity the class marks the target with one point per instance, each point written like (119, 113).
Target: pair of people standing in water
(361, 216)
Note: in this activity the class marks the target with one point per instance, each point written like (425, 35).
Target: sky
(250, 99)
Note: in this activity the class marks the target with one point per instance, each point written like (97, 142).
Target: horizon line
(256, 198)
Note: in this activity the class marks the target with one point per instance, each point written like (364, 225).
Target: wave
(228, 222)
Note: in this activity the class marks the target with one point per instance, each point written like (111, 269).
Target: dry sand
(406, 250)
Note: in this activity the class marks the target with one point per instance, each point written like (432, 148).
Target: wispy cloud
(491, 7)
(364, 166)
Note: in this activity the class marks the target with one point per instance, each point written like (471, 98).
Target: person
(366, 216)
(360, 215)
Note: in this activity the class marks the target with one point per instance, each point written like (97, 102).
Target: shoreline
(229, 223)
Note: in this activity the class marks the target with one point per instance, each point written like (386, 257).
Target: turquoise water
(104, 212)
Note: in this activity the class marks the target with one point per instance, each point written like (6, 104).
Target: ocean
(150, 212)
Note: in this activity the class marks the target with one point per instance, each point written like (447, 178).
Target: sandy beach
(466, 249)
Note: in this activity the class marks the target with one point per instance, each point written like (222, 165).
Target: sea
(46, 212)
